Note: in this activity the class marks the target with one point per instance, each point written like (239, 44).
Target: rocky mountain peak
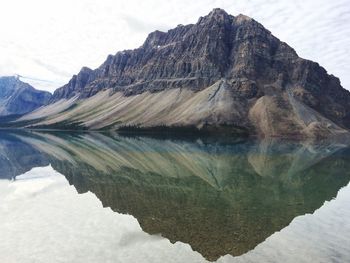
(76, 85)
(17, 97)
(217, 15)
(239, 56)
(9, 84)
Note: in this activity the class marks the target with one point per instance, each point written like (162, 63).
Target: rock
(17, 97)
(257, 68)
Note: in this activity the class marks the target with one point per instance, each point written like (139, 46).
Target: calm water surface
(92, 197)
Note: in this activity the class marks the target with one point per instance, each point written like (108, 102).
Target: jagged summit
(223, 70)
(217, 14)
(218, 11)
(202, 51)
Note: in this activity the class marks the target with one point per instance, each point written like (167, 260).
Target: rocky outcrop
(17, 97)
(193, 56)
(75, 86)
(271, 91)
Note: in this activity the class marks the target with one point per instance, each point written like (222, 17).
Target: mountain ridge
(265, 88)
(17, 97)
(157, 41)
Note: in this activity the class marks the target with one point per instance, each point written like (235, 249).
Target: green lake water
(98, 197)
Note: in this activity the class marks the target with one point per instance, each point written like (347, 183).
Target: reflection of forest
(219, 197)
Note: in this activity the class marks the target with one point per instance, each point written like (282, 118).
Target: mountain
(17, 97)
(222, 73)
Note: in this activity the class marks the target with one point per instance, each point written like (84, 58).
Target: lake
(104, 197)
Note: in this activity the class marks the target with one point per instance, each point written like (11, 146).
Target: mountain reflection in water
(221, 197)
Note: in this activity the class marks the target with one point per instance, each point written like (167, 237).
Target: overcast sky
(49, 41)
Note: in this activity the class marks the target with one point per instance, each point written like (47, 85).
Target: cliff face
(193, 56)
(241, 75)
(17, 97)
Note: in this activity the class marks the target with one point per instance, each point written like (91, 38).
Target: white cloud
(43, 219)
(52, 40)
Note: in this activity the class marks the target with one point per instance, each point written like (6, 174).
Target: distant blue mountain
(17, 97)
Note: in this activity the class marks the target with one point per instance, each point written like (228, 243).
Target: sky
(47, 42)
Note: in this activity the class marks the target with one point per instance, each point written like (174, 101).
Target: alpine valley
(225, 73)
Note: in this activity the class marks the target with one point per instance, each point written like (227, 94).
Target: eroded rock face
(17, 97)
(271, 84)
(193, 56)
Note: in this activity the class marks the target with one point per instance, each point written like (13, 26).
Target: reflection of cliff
(214, 222)
(220, 198)
(17, 157)
(271, 156)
